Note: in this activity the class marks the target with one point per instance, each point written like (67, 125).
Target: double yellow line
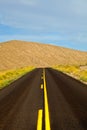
(40, 112)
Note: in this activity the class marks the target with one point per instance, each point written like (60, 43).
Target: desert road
(44, 99)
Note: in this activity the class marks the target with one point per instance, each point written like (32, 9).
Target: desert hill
(15, 54)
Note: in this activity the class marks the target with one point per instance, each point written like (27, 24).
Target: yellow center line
(41, 86)
(47, 118)
(42, 77)
(39, 121)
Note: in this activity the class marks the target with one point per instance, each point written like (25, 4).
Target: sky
(58, 22)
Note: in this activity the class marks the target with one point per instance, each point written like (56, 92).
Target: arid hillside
(15, 54)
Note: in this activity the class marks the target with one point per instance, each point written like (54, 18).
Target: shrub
(74, 70)
(6, 77)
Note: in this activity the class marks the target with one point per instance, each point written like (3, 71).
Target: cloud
(53, 15)
(28, 2)
(67, 19)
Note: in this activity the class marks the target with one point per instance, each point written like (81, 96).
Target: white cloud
(80, 7)
(55, 15)
(65, 17)
(29, 2)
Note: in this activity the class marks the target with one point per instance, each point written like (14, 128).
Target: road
(44, 99)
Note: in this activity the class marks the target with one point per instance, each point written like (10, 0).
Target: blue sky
(59, 22)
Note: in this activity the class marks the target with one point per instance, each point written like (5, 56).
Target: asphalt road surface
(44, 99)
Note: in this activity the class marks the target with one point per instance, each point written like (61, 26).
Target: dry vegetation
(19, 54)
(6, 77)
(16, 54)
(79, 72)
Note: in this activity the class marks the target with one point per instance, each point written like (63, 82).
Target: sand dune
(15, 54)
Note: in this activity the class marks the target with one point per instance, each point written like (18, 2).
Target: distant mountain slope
(19, 53)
